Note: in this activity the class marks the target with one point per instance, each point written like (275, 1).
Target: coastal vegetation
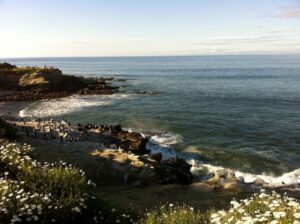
(34, 192)
(262, 207)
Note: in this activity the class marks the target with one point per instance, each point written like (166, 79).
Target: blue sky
(35, 28)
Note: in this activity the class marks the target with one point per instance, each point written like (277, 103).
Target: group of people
(52, 130)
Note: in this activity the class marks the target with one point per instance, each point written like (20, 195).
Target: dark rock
(128, 168)
(180, 168)
(4, 66)
(117, 128)
(156, 156)
(131, 141)
(7, 130)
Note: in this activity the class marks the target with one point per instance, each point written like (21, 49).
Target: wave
(67, 105)
(164, 143)
(286, 179)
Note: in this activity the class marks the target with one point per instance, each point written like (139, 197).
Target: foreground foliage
(264, 207)
(31, 192)
(170, 214)
(261, 208)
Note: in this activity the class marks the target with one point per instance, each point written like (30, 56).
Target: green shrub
(170, 214)
(271, 208)
(48, 193)
(261, 208)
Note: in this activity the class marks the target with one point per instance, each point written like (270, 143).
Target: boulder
(156, 156)
(179, 168)
(130, 141)
(123, 168)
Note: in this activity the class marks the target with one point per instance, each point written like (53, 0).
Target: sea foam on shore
(163, 143)
(54, 107)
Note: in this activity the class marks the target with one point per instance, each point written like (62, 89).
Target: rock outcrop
(33, 83)
(119, 167)
(115, 135)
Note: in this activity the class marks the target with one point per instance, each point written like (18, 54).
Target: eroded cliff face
(34, 83)
(12, 77)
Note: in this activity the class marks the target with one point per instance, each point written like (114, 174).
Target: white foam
(287, 179)
(163, 143)
(62, 106)
(290, 178)
(166, 140)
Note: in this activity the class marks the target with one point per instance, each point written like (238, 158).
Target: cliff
(34, 83)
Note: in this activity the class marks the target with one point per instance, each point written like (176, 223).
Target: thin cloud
(241, 40)
(290, 13)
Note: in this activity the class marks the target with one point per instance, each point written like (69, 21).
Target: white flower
(95, 219)
(4, 210)
(235, 204)
(297, 215)
(278, 215)
(77, 209)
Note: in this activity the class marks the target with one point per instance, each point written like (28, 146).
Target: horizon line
(136, 56)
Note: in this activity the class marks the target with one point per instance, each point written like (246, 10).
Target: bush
(269, 208)
(261, 208)
(48, 193)
(170, 214)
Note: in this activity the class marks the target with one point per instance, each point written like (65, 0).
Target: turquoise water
(240, 112)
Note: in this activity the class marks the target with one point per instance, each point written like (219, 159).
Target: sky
(58, 28)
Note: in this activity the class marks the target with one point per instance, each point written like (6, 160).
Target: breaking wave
(67, 105)
(163, 143)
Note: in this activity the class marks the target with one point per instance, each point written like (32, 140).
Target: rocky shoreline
(34, 83)
(123, 155)
(109, 155)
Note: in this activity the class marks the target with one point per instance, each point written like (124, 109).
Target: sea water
(238, 112)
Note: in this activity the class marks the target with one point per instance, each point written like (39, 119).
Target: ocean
(238, 112)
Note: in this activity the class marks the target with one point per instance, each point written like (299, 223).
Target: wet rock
(124, 168)
(156, 156)
(179, 168)
(130, 141)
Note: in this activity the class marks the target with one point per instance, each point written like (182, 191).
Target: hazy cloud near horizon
(134, 27)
